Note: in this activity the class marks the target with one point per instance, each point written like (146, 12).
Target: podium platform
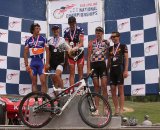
(70, 119)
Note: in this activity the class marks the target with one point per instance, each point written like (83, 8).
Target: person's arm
(47, 57)
(89, 52)
(66, 42)
(109, 60)
(125, 73)
(25, 56)
(81, 40)
(108, 63)
(65, 60)
(107, 46)
(66, 46)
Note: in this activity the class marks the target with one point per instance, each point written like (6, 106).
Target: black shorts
(116, 75)
(100, 69)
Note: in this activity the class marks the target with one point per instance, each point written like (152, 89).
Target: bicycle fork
(91, 102)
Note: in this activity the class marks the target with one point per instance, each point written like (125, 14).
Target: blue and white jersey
(73, 35)
(36, 46)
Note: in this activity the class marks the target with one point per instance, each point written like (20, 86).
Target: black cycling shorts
(116, 75)
(100, 69)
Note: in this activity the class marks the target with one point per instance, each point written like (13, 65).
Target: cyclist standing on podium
(36, 45)
(97, 54)
(57, 48)
(74, 36)
(118, 64)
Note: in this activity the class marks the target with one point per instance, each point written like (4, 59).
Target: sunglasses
(98, 29)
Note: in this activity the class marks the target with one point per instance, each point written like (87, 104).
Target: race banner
(84, 11)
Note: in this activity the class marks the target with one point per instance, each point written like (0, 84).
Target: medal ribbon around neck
(55, 41)
(114, 52)
(98, 43)
(72, 37)
(35, 43)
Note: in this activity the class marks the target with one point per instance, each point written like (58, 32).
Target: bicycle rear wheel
(31, 114)
(94, 110)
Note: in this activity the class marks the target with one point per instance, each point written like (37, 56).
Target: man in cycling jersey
(97, 53)
(57, 48)
(118, 64)
(36, 45)
(74, 36)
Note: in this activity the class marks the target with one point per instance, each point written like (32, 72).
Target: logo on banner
(25, 38)
(63, 10)
(137, 91)
(149, 48)
(1, 60)
(2, 34)
(122, 25)
(10, 76)
(136, 63)
(136, 36)
(12, 24)
(23, 65)
(58, 13)
(1, 87)
(23, 90)
(66, 81)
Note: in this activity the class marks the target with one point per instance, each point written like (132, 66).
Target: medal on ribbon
(72, 37)
(114, 52)
(71, 43)
(55, 50)
(98, 47)
(114, 58)
(35, 42)
(55, 41)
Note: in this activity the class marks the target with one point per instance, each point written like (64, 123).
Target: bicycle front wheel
(94, 110)
(31, 111)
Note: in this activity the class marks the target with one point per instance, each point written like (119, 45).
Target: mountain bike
(93, 108)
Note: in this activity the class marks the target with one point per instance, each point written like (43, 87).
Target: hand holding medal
(71, 53)
(71, 44)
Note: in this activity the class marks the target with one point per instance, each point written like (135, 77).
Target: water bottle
(90, 83)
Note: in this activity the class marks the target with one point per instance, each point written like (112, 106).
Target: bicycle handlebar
(81, 49)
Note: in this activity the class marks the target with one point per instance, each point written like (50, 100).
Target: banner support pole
(157, 7)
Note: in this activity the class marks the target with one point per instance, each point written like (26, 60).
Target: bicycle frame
(81, 50)
(82, 83)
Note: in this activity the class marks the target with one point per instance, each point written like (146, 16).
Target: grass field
(140, 109)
